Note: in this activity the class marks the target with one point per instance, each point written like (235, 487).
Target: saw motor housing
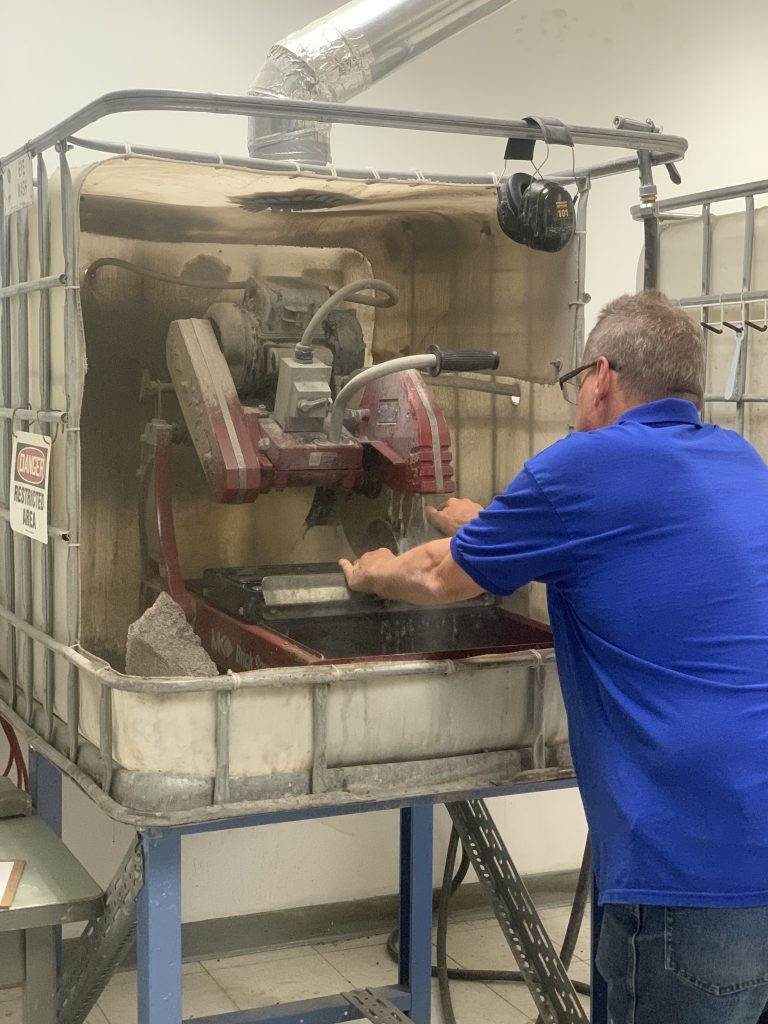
(256, 413)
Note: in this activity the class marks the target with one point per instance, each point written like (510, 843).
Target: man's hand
(364, 573)
(455, 513)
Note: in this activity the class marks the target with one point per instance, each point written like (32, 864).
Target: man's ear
(603, 379)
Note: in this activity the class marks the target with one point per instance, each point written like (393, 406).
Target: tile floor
(302, 972)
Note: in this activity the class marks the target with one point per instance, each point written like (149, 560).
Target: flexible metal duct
(338, 56)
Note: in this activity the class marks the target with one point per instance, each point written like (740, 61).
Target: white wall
(697, 68)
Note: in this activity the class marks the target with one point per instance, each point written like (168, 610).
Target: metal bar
(600, 170)
(415, 966)
(323, 1010)
(744, 398)
(706, 275)
(488, 385)
(285, 166)
(724, 299)
(24, 579)
(374, 1008)
(672, 146)
(580, 301)
(518, 918)
(743, 334)
(221, 780)
(648, 197)
(706, 249)
(295, 675)
(30, 415)
(44, 379)
(158, 930)
(105, 736)
(320, 696)
(27, 287)
(53, 531)
(72, 439)
(39, 993)
(715, 195)
(6, 443)
(608, 168)
(73, 711)
(539, 745)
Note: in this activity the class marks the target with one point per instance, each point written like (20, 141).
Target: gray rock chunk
(162, 643)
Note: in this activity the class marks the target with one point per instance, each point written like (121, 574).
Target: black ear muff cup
(535, 212)
(518, 184)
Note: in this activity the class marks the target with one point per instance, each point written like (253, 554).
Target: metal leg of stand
(45, 789)
(158, 930)
(415, 969)
(599, 997)
(39, 999)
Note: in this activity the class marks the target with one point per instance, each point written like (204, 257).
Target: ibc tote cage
(28, 616)
(737, 315)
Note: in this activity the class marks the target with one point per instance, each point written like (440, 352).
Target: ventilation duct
(340, 55)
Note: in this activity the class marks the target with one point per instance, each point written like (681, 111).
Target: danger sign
(29, 485)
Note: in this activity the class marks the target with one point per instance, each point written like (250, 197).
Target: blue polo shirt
(652, 537)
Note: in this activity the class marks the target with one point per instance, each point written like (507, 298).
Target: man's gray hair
(656, 347)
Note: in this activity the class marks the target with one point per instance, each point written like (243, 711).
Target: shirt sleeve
(518, 538)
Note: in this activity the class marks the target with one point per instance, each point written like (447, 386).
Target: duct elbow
(285, 75)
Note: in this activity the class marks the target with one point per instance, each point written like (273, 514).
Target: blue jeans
(684, 965)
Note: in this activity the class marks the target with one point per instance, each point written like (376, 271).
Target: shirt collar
(666, 410)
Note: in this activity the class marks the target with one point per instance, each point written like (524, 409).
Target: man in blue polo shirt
(650, 530)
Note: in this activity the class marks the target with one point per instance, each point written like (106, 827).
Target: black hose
(446, 890)
(445, 974)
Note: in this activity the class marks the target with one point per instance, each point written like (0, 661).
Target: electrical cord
(451, 883)
(188, 282)
(15, 756)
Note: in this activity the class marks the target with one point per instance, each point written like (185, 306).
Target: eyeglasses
(570, 384)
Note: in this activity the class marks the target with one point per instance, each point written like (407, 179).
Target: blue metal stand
(158, 929)
(158, 909)
(158, 945)
(415, 968)
(45, 784)
(45, 790)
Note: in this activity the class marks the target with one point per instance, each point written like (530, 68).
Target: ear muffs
(535, 212)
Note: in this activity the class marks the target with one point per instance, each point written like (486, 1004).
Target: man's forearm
(411, 576)
(425, 575)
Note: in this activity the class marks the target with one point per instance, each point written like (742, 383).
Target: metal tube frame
(16, 612)
(746, 323)
(664, 148)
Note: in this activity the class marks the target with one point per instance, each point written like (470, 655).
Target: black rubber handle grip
(462, 362)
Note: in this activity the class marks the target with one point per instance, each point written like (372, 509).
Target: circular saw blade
(390, 520)
(365, 521)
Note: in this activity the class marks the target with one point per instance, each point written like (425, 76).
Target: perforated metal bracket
(103, 944)
(531, 947)
(374, 1008)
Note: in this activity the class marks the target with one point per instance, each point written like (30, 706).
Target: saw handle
(462, 362)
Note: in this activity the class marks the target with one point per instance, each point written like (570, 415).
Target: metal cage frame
(61, 743)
